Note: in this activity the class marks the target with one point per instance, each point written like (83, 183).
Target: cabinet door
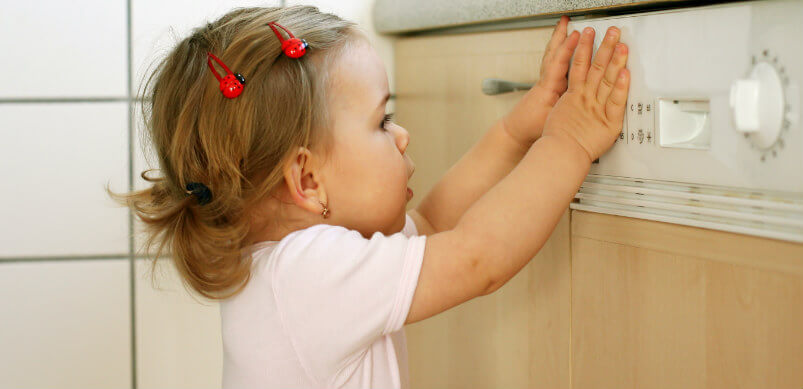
(657, 305)
(517, 337)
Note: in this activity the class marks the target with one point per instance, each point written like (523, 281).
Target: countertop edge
(394, 17)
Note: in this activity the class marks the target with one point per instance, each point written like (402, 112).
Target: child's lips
(409, 193)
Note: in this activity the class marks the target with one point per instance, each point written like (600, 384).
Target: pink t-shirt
(325, 308)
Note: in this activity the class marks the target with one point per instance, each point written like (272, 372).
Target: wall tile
(65, 324)
(60, 157)
(63, 49)
(179, 340)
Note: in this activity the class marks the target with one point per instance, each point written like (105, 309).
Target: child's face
(366, 184)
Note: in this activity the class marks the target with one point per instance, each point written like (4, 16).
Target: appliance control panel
(714, 96)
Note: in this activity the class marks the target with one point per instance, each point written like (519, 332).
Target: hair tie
(200, 191)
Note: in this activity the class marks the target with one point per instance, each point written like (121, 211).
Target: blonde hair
(235, 147)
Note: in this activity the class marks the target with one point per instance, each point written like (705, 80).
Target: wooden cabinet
(610, 301)
(517, 337)
(658, 305)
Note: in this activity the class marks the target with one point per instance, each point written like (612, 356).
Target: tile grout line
(51, 100)
(64, 258)
(68, 258)
(131, 255)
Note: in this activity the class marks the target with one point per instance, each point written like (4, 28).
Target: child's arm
(501, 148)
(490, 159)
(506, 227)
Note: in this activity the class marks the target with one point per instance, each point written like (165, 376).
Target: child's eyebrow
(383, 101)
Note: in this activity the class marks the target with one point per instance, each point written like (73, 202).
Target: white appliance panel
(696, 55)
(712, 136)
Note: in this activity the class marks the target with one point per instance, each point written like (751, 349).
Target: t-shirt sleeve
(410, 229)
(338, 292)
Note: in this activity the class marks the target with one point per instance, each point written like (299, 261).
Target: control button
(683, 122)
(640, 136)
(758, 104)
(648, 107)
(649, 137)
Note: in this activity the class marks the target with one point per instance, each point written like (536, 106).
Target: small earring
(325, 211)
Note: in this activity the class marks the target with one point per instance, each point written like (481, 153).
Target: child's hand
(592, 110)
(525, 121)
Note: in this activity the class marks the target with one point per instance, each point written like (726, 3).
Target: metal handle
(495, 86)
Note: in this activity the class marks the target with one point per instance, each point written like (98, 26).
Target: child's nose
(402, 138)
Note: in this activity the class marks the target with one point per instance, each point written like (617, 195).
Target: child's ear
(302, 175)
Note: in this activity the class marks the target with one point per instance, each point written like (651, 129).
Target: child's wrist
(569, 145)
(547, 96)
(526, 120)
(514, 133)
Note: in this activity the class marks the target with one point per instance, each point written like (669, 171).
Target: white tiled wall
(65, 324)
(63, 48)
(178, 337)
(59, 157)
(66, 320)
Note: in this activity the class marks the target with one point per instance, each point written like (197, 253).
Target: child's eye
(385, 120)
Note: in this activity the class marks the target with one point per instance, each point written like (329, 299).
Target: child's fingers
(601, 61)
(582, 58)
(558, 37)
(558, 34)
(615, 106)
(617, 64)
(563, 54)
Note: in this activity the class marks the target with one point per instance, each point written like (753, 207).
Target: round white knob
(744, 102)
(757, 104)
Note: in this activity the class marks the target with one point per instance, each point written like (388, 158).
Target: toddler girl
(283, 190)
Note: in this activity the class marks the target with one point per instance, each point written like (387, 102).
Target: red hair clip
(292, 47)
(231, 85)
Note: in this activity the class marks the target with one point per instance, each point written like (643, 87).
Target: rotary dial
(759, 105)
